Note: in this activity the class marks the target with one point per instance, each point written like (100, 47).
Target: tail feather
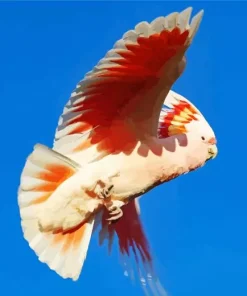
(64, 253)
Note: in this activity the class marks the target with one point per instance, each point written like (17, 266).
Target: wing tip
(195, 23)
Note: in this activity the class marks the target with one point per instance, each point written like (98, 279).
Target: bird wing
(120, 100)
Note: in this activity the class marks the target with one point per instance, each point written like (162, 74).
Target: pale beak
(212, 151)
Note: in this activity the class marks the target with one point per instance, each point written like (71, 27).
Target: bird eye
(203, 138)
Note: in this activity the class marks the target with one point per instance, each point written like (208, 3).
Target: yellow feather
(188, 111)
(184, 115)
(173, 130)
(178, 118)
(176, 123)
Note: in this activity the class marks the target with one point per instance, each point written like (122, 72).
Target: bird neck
(173, 157)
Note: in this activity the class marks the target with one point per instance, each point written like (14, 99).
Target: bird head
(203, 136)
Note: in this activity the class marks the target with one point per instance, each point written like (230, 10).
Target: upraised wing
(119, 101)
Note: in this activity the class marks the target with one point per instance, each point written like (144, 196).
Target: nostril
(212, 141)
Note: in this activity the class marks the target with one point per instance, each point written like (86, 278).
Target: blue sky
(197, 223)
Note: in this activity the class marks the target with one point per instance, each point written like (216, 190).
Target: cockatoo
(122, 132)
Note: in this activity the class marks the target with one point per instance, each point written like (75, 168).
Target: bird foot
(105, 193)
(114, 211)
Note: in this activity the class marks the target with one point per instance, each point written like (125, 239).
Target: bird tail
(63, 251)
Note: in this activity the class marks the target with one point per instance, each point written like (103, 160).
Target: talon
(116, 214)
(105, 192)
(110, 188)
(115, 217)
(112, 208)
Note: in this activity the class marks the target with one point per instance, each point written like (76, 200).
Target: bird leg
(104, 186)
(104, 189)
(113, 206)
(105, 192)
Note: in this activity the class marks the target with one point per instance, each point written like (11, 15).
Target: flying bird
(122, 133)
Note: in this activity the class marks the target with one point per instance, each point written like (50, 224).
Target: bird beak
(212, 151)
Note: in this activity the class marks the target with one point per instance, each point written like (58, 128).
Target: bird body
(131, 175)
(122, 132)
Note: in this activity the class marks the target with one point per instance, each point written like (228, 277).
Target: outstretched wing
(120, 100)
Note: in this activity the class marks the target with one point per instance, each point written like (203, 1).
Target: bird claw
(113, 206)
(105, 193)
(115, 212)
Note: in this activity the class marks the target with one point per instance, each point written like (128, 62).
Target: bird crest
(175, 115)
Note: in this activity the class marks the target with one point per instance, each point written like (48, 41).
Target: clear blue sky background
(197, 223)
